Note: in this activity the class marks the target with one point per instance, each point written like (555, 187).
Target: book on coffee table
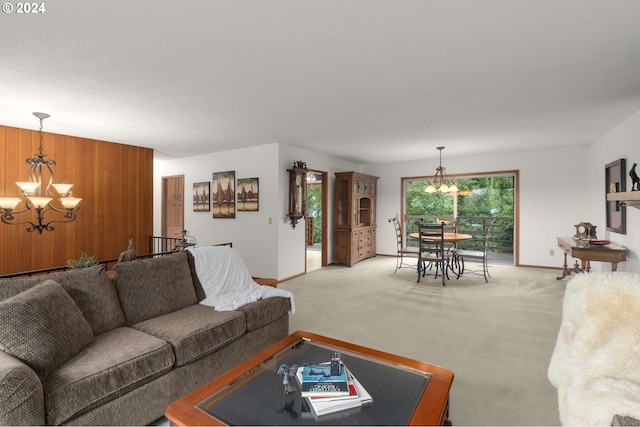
(320, 406)
(316, 380)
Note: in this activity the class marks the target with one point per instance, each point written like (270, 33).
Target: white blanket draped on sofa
(596, 362)
(226, 280)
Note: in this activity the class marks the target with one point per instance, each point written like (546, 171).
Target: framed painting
(615, 181)
(223, 194)
(248, 196)
(201, 196)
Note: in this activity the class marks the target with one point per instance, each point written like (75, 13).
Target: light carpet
(496, 337)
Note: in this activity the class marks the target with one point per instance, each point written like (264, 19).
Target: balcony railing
(501, 238)
(109, 263)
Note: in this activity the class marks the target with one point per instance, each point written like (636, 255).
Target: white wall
(267, 242)
(558, 189)
(621, 142)
(549, 202)
(291, 245)
(250, 232)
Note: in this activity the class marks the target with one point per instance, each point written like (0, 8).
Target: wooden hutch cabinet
(355, 217)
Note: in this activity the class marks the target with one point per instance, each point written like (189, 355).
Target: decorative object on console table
(354, 217)
(297, 191)
(585, 231)
(615, 182)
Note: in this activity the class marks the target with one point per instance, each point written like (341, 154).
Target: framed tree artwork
(223, 194)
(248, 195)
(201, 196)
(615, 181)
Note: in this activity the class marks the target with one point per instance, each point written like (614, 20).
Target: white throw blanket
(226, 280)
(596, 362)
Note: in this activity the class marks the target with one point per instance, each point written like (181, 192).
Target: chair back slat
(450, 224)
(431, 242)
(431, 250)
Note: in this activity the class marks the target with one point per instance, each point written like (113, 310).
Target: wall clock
(297, 191)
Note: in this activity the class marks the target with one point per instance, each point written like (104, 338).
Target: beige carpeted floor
(497, 338)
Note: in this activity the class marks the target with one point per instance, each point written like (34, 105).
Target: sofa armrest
(266, 281)
(21, 395)
(624, 420)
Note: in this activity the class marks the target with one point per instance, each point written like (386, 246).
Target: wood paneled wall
(115, 182)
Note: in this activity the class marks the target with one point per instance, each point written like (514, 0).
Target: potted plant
(83, 262)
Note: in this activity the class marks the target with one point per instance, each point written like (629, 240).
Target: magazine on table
(317, 380)
(322, 405)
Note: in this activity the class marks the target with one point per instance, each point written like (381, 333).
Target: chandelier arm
(65, 211)
(70, 216)
(7, 218)
(9, 213)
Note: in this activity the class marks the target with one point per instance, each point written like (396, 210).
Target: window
(480, 198)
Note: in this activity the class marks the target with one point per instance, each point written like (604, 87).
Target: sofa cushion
(114, 364)
(91, 289)
(194, 276)
(21, 396)
(265, 311)
(43, 327)
(195, 331)
(95, 295)
(155, 286)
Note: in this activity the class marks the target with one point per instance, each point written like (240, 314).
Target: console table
(586, 253)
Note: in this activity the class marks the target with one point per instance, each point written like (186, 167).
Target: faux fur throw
(226, 280)
(596, 362)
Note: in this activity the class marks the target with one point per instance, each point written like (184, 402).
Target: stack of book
(327, 394)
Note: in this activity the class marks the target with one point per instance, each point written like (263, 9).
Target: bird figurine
(129, 254)
(635, 181)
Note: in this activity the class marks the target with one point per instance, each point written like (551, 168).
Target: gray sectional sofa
(82, 348)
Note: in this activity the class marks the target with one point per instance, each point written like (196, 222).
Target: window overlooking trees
(479, 199)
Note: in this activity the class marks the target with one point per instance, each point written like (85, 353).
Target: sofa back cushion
(91, 289)
(200, 294)
(152, 287)
(43, 327)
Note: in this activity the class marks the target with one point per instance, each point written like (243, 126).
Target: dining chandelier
(440, 180)
(36, 195)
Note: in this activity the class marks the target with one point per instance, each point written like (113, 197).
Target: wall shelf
(627, 198)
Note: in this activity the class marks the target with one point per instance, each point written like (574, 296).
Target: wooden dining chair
(480, 255)
(402, 251)
(431, 251)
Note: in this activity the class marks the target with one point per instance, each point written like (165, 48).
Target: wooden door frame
(325, 229)
(163, 213)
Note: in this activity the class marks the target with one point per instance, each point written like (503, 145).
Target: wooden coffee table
(404, 391)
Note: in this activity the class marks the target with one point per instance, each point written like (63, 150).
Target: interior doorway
(316, 220)
(172, 206)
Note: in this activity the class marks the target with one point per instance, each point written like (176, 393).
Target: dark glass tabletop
(259, 398)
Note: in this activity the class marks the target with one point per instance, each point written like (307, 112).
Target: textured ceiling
(366, 80)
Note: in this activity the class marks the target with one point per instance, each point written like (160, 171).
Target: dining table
(452, 238)
(448, 237)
